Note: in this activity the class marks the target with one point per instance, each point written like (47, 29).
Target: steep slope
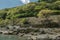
(19, 15)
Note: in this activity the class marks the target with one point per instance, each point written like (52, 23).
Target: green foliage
(23, 20)
(46, 13)
(49, 1)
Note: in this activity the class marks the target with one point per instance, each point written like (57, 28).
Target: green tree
(49, 1)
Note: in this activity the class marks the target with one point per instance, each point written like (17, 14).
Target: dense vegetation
(22, 15)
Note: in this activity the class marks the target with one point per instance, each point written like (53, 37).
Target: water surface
(10, 37)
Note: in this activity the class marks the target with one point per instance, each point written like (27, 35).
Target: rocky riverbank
(43, 37)
(35, 33)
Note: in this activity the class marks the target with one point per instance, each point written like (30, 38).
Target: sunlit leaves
(46, 13)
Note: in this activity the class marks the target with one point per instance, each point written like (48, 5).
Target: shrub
(44, 13)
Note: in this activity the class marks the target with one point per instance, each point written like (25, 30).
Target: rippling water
(10, 37)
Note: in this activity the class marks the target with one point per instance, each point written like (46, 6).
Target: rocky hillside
(43, 13)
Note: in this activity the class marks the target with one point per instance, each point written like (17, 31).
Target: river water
(10, 37)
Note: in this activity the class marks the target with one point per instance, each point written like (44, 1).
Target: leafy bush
(46, 13)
